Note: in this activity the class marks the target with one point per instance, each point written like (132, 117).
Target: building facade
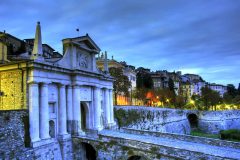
(64, 96)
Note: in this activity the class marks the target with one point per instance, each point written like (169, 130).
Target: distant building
(198, 85)
(128, 70)
(48, 51)
(161, 79)
(111, 62)
(193, 77)
(221, 89)
(186, 90)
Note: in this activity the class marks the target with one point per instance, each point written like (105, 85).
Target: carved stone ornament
(83, 60)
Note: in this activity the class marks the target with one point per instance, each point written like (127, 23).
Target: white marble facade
(68, 95)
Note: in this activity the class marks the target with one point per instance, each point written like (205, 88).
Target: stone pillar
(62, 113)
(34, 111)
(44, 113)
(97, 108)
(106, 106)
(111, 106)
(77, 128)
(69, 109)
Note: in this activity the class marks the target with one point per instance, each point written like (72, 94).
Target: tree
(210, 98)
(121, 83)
(227, 98)
(172, 90)
(144, 84)
(144, 80)
(231, 90)
(171, 84)
(179, 102)
(238, 89)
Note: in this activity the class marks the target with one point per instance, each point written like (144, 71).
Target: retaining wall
(176, 120)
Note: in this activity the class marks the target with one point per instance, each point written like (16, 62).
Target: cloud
(201, 37)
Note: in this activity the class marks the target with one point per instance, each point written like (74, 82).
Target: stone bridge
(135, 144)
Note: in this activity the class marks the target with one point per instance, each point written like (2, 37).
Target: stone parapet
(210, 141)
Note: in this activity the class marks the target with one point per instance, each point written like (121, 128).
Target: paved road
(225, 152)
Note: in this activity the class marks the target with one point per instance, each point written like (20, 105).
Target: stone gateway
(64, 96)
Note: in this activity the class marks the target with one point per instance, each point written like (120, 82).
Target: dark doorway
(90, 152)
(136, 158)
(193, 120)
(51, 129)
(83, 116)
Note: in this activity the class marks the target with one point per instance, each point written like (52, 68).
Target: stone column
(106, 106)
(44, 113)
(69, 109)
(77, 128)
(34, 111)
(97, 108)
(62, 114)
(111, 106)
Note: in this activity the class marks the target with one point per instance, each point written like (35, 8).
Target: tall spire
(37, 52)
(105, 62)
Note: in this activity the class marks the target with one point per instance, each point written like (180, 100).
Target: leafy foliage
(231, 134)
(144, 80)
(210, 98)
(121, 83)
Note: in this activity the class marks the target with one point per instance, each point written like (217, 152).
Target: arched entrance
(193, 121)
(136, 158)
(84, 116)
(90, 152)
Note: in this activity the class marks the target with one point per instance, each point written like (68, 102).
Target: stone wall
(182, 137)
(12, 134)
(153, 119)
(214, 121)
(112, 149)
(15, 140)
(175, 120)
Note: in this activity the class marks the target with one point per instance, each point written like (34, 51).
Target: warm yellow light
(192, 101)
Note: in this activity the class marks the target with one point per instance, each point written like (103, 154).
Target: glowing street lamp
(192, 101)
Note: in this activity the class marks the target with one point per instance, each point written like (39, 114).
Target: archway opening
(136, 158)
(84, 115)
(193, 120)
(91, 153)
(52, 129)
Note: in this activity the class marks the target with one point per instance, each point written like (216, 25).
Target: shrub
(231, 134)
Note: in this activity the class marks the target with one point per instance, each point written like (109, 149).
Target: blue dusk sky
(193, 36)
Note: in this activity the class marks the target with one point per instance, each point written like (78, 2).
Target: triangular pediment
(84, 42)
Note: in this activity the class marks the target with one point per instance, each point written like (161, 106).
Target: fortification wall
(153, 119)
(214, 121)
(175, 120)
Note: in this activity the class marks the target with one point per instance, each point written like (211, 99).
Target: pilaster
(69, 108)
(34, 111)
(106, 103)
(97, 108)
(62, 113)
(44, 113)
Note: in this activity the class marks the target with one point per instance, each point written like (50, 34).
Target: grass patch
(201, 134)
